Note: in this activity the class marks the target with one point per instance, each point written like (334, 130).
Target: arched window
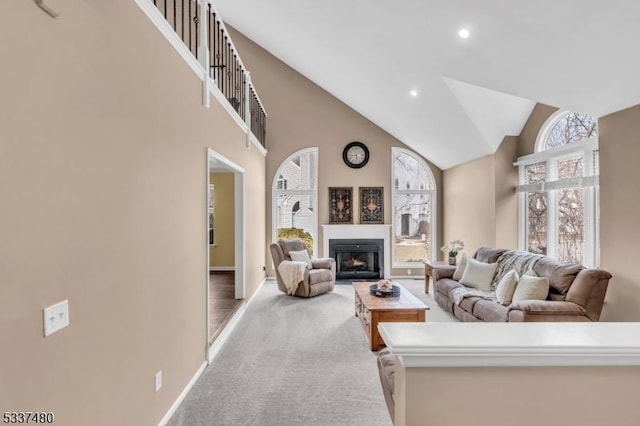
(559, 193)
(414, 213)
(295, 196)
(565, 128)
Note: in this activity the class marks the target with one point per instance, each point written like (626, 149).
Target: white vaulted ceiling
(577, 55)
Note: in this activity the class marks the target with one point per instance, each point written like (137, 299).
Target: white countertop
(513, 344)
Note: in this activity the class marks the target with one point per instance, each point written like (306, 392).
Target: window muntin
(537, 202)
(570, 222)
(570, 128)
(411, 173)
(413, 199)
(295, 211)
(295, 194)
(559, 195)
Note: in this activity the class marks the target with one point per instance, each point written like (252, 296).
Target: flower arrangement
(452, 248)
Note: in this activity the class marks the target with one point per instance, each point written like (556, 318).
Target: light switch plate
(55, 317)
(158, 380)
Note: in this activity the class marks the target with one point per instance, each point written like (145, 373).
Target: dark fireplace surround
(358, 259)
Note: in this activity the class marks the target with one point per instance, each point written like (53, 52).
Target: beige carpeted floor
(293, 361)
(435, 313)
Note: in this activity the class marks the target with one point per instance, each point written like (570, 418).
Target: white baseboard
(211, 354)
(226, 332)
(182, 395)
(222, 268)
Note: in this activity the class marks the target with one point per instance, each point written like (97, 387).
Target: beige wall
(302, 115)
(619, 212)
(222, 253)
(529, 133)
(526, 396)
(481, 214)
(480, 202)
(619, 235)
(103, 145)
(506, 199)
(469, 204)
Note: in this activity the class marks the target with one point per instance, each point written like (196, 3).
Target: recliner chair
(321, 278)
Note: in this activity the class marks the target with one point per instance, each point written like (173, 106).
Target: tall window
(559, 195)
(295, 196)
(414, 220)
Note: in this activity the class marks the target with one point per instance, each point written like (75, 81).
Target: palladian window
(559, 192)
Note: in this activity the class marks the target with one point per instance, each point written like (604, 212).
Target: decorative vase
(452, 260)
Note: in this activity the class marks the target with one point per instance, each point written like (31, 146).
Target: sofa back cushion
(560, 275)
(531, 288)
(301, 256)
(520, 261)
(478, 274)
(462, 265)
(291, 245)
(506, 287)
(488, 255)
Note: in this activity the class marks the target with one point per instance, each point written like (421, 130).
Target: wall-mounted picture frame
(371, 204)
(340, 205)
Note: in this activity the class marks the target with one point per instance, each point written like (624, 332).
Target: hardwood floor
(222, 301)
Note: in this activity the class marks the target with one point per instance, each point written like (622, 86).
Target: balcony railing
(221, 58)
(258, 116)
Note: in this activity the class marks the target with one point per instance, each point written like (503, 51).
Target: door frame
(239, 225)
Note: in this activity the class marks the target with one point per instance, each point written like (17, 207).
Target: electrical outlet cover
(55, 317)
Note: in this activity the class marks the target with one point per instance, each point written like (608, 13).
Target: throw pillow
(506, 287)
(457, 274)
(531, 288)
(478, 274)
(301, 256)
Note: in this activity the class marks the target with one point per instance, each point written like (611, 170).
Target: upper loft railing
(220, 57)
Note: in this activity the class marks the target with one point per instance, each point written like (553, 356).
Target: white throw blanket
(292, 273)
(459, 293)
(520, 261)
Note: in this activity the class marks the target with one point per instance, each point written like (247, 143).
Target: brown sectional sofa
(576, 293)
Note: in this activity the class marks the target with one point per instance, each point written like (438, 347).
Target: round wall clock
(355, 155)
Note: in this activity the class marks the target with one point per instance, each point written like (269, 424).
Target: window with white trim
(413, 198)
(558, 190)
(295, 195)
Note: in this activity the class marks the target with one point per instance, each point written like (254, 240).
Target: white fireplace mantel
(383, 232)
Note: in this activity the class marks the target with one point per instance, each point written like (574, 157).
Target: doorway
(225, 242)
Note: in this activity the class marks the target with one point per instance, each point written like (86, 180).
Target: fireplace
(358, 259)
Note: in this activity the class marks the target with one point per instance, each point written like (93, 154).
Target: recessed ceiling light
(413, 92)
(463, 33)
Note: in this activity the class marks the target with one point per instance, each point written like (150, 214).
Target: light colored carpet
(435, 313)
(293, 361)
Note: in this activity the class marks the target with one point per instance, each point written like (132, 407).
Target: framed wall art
(371, 204)
(340, 205)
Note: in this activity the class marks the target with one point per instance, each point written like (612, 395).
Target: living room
(484, 186)
(104, 143)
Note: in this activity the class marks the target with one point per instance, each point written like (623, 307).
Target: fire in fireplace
(358, 259)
